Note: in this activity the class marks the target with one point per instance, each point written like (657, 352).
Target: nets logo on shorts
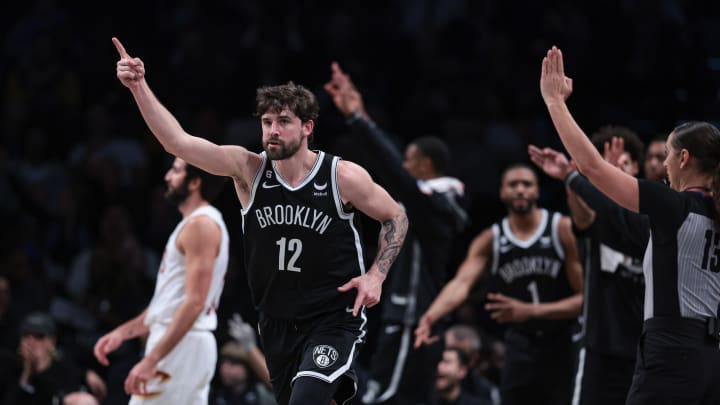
(324, 356)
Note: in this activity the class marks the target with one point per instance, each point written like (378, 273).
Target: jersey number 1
(711, 251)
(293, 246)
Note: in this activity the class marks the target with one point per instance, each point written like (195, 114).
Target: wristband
(570, 177)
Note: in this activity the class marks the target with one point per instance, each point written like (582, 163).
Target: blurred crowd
(83, 216)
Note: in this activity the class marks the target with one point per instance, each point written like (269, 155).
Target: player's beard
(522, 209)
(283, 150)
(179, 194)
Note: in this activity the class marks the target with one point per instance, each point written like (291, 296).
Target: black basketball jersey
(300, 243)
(531, 270)
(614, 284)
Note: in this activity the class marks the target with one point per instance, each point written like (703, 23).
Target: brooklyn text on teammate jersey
(525, 266)
(305, 217)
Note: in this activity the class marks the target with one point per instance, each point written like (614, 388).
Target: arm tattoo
(392, 236)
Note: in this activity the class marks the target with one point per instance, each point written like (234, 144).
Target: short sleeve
(665, 207)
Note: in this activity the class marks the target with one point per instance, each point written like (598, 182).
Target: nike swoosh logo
(390, 329)
(348, 309)
(265, 185)
(505, 249)
(319, 187)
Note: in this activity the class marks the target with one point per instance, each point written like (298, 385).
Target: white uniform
(184, 374)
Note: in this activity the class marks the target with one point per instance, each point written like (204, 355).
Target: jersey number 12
(293, 246)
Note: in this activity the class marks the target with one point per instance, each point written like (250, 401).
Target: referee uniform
(678, 361)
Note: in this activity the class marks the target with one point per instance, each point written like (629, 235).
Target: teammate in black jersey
(678, 359)
(303, 251)
(537, 284)
(397, 373)
(613, 240)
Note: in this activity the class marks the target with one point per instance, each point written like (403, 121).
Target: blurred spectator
(451, 370)
(113, 279)
(42, 374)
(236, 382)
(467, 339)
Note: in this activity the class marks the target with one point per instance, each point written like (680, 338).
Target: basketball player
(614, 241)
(537, 279)
(654, 156)
(678, 358)
(398, 374)
(303, 250)
(181, 351)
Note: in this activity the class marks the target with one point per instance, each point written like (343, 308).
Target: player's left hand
(369, 288)
(550, 161)
(506, 309)
(613, 151)
(136, 381)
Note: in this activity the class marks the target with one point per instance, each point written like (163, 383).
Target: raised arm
(569, 307)
(359, 190)
(434, 215)
(556, 88)
(227, 160)
(457, 290)
(199, 241)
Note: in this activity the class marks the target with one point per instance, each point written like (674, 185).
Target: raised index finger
(120, 48)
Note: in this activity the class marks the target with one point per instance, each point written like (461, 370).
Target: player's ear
(307, 127)
(195, 184)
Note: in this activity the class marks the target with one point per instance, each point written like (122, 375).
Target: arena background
(80, 172)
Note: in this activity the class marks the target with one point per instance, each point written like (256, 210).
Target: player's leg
(332, 344)
(175, 382)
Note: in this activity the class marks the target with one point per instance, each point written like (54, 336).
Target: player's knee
(310, 390)
(80, 398)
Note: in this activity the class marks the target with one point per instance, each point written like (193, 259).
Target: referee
(678, 358)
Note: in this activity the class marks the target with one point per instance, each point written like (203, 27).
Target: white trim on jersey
(399, 365)
(579, 377)
(345, 367)
(253, 190)
(496, 248)
(556, 235)
(530, 241)
(348, 216)
(308, 178)
(648, 307)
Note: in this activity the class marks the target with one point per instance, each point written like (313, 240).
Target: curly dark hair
(633, 144)
(296, 98)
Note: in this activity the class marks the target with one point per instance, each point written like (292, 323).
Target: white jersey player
(181, 351)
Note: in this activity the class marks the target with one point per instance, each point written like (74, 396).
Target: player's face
(655, 156)
(519, 190)
(628, 165)
(175, 179)
(233, 372)
(283, 133)
(414, 161)
(449, 371)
